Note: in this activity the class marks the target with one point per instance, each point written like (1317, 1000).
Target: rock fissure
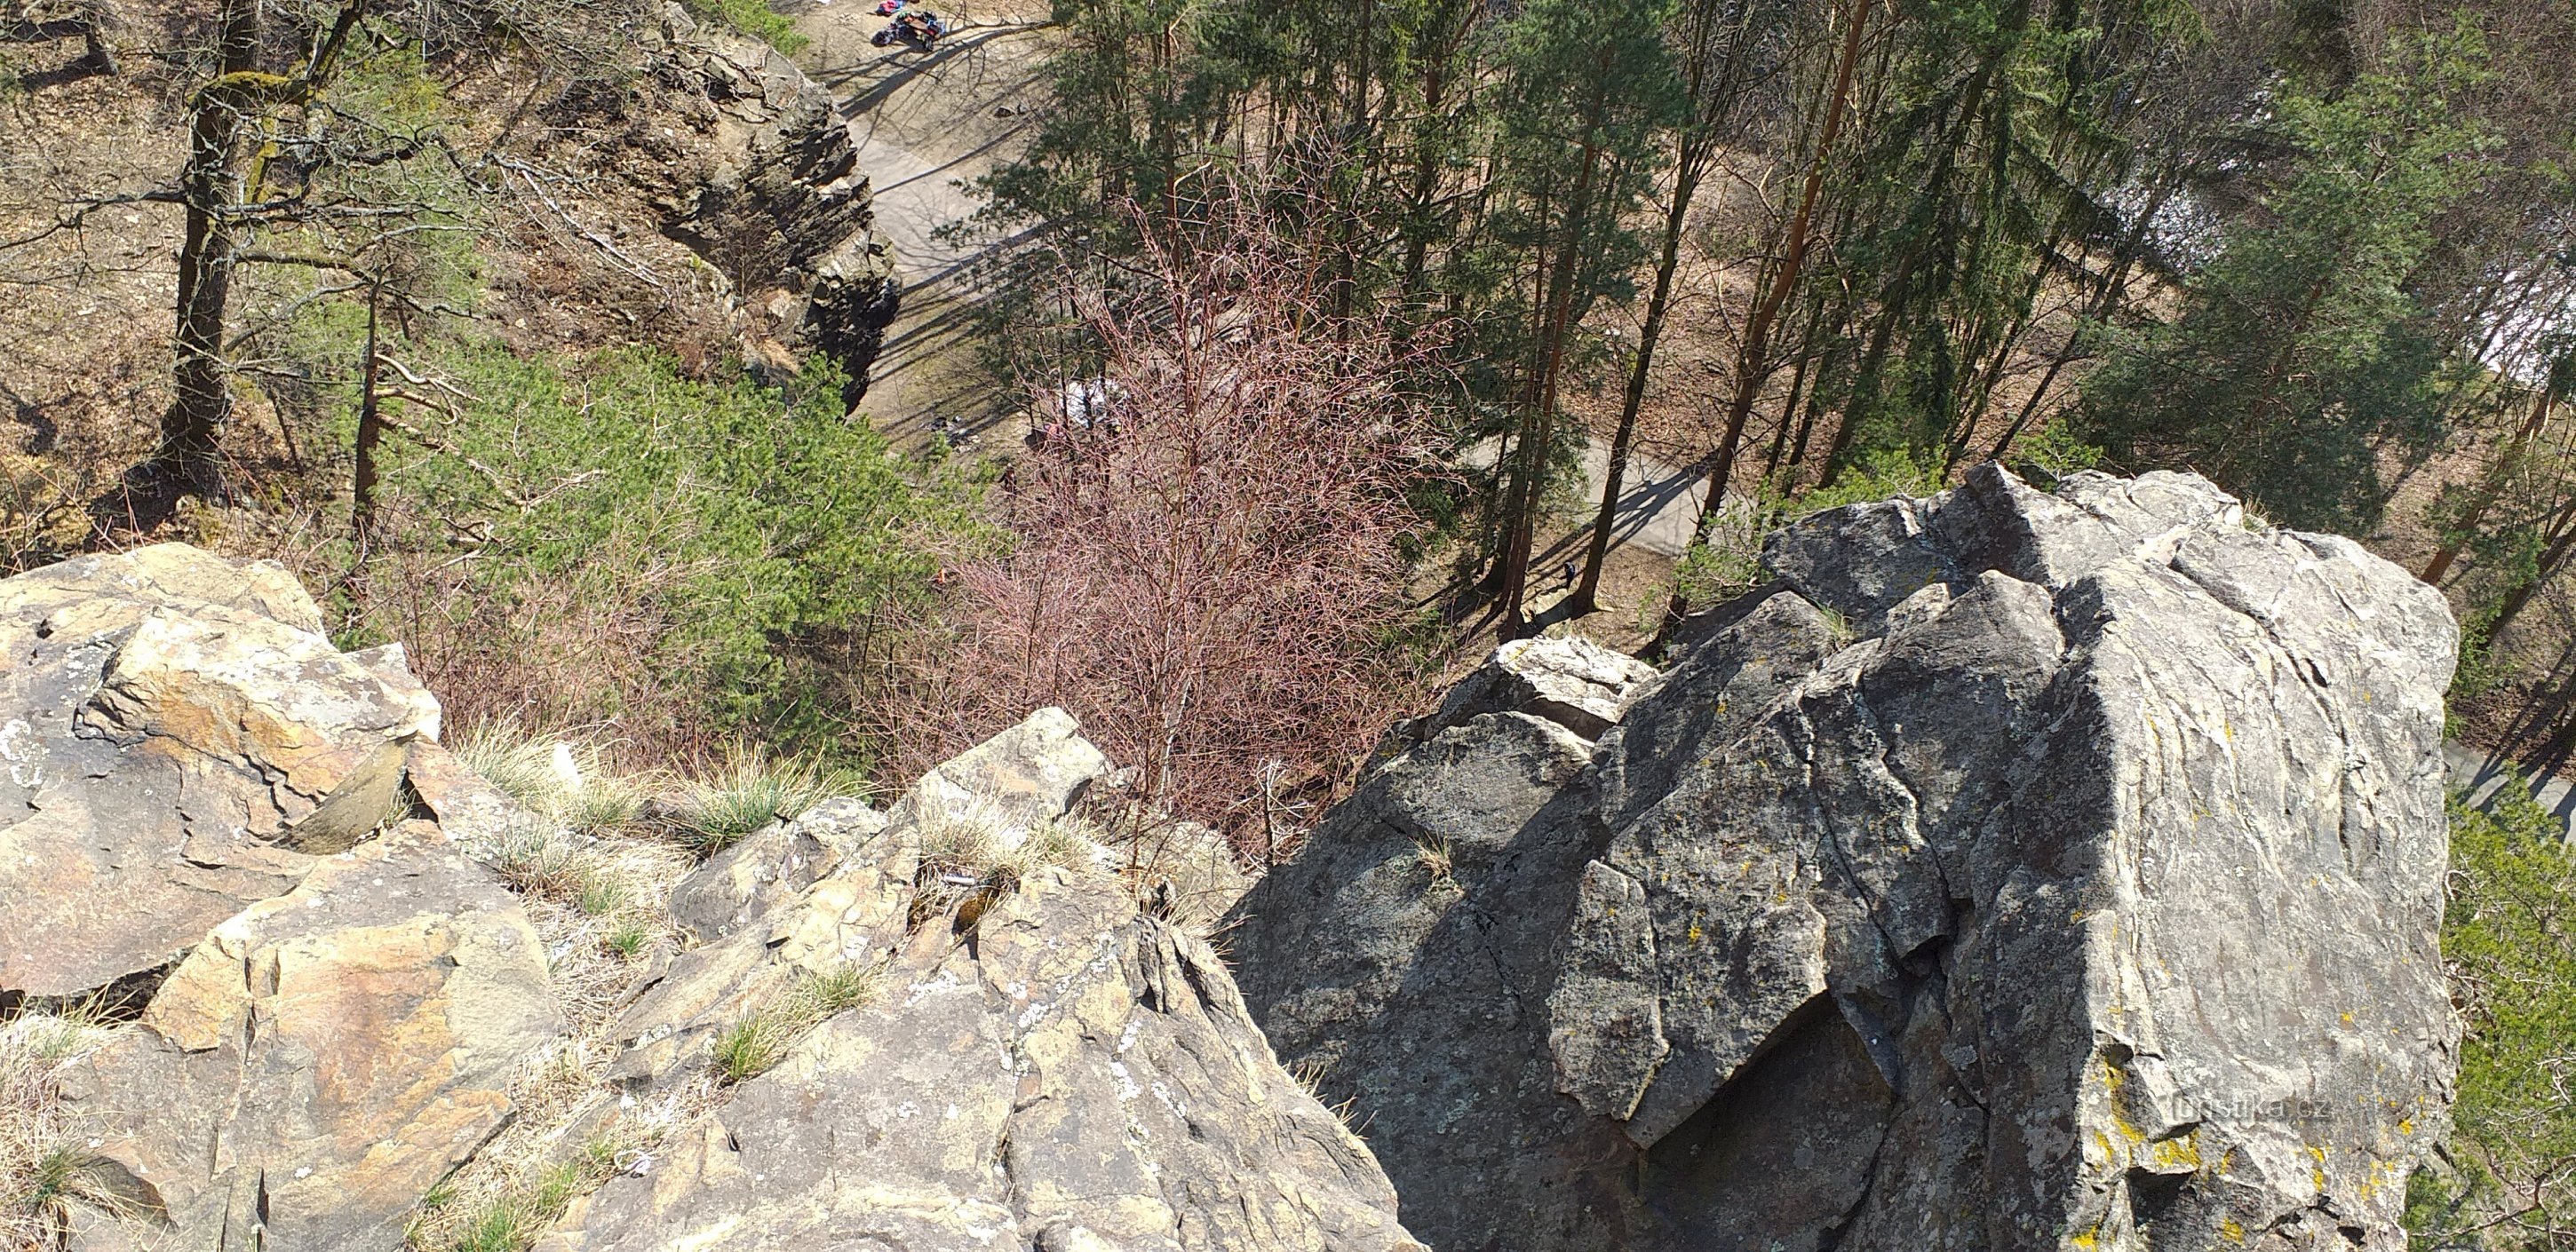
(2056, 834)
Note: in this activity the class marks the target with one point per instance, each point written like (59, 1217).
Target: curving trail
(927, 126)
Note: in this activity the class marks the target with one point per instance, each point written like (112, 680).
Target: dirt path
(927, 127)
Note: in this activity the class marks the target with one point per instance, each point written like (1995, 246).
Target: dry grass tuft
(977, 843)
(1432, 856)
(596, 882)
(1309, 1077)
(752, 1046)
(567, 778)
(968, 861)
(747, 789)
(39, 1158)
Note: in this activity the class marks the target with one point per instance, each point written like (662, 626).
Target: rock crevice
(2016, 870)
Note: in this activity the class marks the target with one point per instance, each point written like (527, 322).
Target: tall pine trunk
(1752, 356)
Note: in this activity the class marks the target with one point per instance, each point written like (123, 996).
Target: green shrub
(601, 540)
(2507, 938)
(753, 18)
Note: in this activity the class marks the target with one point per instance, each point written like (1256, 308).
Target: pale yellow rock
(335, 1050)
(1074, 1076)
(164, 715)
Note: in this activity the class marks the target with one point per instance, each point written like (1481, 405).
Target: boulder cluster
(2014, 870)
(251, 845)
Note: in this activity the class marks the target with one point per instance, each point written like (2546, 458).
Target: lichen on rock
(2015, 870)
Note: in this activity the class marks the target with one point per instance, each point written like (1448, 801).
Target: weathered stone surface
(2017, 871)
(1010, 784)
(1075, 1077)
(322, 1058)
(473, 812)
(778, 202)
(1190, 876)
(834, 889)
(747, 881)
(1045, 1069)
(1576, 683)
(166, 717)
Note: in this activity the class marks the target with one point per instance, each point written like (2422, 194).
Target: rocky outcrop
(774, 198)
(172, 727)
(2016, 871)
(1076, 1077)
(322, 1058)
(1043, 1067)
(206, 822)
(944, 1025)
(1575, 683)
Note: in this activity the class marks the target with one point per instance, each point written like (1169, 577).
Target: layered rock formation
(203, 818)
(320, 1059)
(1043, 1067)
(774, 198)
(941, 1026)
(167, 722)
(2016, 871)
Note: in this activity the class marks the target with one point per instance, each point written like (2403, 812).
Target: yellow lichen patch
(2170, 1155)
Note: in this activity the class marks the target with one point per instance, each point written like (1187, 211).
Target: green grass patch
(753, 18)
(748, 789)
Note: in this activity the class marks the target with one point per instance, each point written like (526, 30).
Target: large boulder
(2016, 871)
(209, 826)
(1044, 1067)
(169, 723)
(322, 1058)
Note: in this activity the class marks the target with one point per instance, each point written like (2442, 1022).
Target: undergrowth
(753, 18)
(747, 788)
(2503, 1182)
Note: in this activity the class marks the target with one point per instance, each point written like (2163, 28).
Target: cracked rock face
(169, 723)
(205, 817)
(320, 1059)
(2016, 871)
(784, 211)
(1055, 1072)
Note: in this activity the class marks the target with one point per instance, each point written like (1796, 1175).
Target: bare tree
(1206, 559)
(232, 105)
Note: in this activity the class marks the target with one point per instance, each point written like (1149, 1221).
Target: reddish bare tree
(1206, 561)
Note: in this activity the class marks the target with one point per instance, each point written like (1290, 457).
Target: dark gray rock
(2016, 871)
(783, 211)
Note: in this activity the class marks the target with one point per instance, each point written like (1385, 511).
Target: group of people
(910, 23)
